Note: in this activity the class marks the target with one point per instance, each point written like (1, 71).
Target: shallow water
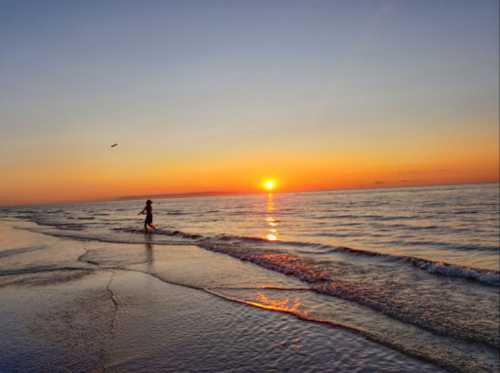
(416, 269)
(153, 326)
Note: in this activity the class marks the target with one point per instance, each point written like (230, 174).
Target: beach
(249, 186)
(82, 288)
(126, 318)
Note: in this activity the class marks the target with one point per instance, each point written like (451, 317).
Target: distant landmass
(178, 195)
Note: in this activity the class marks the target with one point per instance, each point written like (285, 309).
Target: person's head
(149, 202)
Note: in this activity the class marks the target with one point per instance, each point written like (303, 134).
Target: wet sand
(86, 306)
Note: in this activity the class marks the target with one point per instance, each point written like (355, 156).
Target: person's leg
(148, 223)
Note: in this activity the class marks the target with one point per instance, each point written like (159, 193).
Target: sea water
(415, 269)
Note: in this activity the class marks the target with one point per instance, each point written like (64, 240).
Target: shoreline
(68, 311)
(35, 262)
(170, 328)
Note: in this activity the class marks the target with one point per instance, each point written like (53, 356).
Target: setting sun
(269, 184)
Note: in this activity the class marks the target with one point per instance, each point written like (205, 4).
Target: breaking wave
(176, 237)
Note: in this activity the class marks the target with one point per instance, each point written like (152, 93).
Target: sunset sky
(221, 95)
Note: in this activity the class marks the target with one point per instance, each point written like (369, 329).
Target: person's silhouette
(148, 222)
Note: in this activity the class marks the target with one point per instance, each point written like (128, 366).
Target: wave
(59, 225)
(337, 281)
(129, 240)
(174, 212)
(487, 277)
(337, 234)
(451, 360)
(445, 245)
(54, 211)
(379, 297)
(20, 250)
(414, 227)
(369, 217)
(483, 276)
(165, 232)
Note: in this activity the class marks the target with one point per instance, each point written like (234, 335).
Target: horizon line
(236, 193)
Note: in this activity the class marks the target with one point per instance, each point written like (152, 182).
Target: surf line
(303, 317)
(318, 287)
(298, 315)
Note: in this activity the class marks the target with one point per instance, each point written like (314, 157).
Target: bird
(114, 145)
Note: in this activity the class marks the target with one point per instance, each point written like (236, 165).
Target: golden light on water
(271, 237)
(272, 231)
(281, 304)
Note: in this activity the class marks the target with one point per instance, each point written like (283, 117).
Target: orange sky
(119, 172)
(204, 98)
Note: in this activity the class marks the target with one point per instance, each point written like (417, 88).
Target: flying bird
(114, 145)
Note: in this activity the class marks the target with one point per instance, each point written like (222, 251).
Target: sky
(221, 95)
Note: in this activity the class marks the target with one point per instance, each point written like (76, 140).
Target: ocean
(413, 269)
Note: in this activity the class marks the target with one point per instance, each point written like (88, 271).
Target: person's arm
(142, 212)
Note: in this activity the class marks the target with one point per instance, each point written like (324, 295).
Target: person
(148, 210)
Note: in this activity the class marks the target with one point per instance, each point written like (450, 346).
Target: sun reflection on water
(271, 237)
(272, 232)
(283, 305)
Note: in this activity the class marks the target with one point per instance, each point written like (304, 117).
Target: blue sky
(197, 81)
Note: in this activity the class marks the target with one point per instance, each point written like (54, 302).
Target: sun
(269, 184)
